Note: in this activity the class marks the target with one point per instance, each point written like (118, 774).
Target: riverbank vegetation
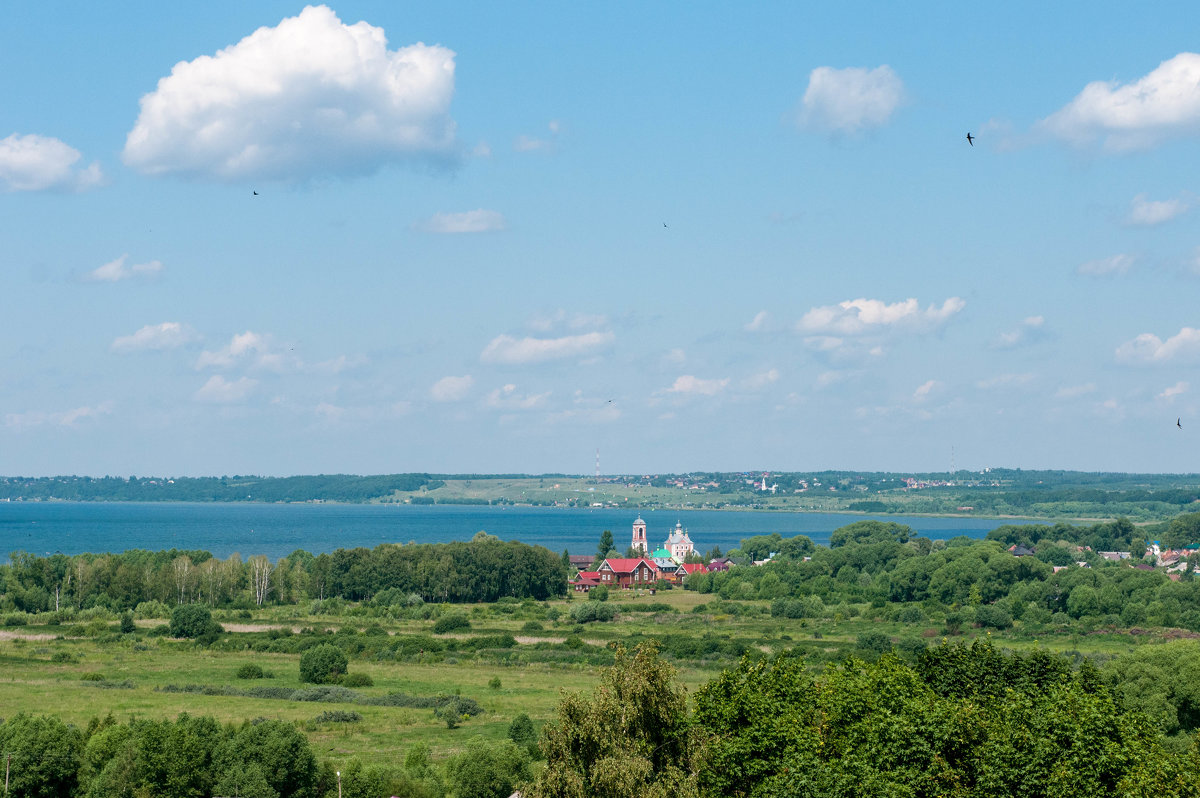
(979, 668)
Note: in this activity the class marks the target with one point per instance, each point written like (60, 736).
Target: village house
(628, 573)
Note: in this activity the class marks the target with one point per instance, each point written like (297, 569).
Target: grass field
(43, 668)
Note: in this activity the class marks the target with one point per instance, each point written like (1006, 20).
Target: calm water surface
(279, 529)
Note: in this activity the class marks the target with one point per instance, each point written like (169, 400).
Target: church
(677, 547)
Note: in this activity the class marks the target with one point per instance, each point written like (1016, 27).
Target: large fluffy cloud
(511, 351)
(40, 163)
(864, 316)
(852, 99)
(1163, 104)
(307, 97)
(1148, 348)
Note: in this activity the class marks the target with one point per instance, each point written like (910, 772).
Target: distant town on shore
(991, 492)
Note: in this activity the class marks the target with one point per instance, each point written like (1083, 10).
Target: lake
(279, 529)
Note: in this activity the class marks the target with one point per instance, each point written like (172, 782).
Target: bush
(450, 623)
(62, 656)
(991, 615)
(357, 680)
(532, 626)
(193, 621)
(494, 683)
(250, 671)
(323, 664)
(599, 593)
(151, 609)
(16, 619)
(337, 716)
(592, 611)
(127, 624)
(92, 677)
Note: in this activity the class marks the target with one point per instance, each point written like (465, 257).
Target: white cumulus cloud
(1147, 213)
(759, 322)
(1148, 348)
(41, 163)
(219, 390)
(243, 348)
(310, 96)
(509, 350)
(116, 270)
(451, 389)
(476, 221)
(168, 335)
(1161, 105)
(861, 316)
(756, 382)
(852, 99)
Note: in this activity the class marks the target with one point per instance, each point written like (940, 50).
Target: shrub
(532, 626)
(494, 683)
(193, 621)
(992, 615)
(592, 611)
(323, 664)
(16, 619)
(151, 609)
(62, 656)
(250, 671)
(127, 624)
(450, 623)
(599, 593)
(338, 716)
(92, 677)
(357, 680)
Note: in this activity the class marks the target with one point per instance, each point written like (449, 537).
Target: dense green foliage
(485, 569)
(192, 620)
(323, 664)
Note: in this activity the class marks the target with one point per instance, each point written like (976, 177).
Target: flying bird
(254, 192)
(970, 139)
(1179, 423)
(665, 224)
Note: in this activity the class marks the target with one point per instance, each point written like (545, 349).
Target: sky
(378, 237)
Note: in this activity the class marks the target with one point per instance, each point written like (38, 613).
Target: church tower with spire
(639, 536)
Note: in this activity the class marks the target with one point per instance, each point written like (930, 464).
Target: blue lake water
(279, 529)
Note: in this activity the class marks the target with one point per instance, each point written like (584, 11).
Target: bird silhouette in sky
(254, 192)
(970, 139)
(1179, 423)
(665, 225)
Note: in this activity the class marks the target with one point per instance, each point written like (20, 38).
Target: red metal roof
(627, 566)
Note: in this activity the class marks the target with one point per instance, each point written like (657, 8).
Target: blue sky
(496, 237)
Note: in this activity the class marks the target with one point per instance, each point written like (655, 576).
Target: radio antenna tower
(597, 464)
(953, 468)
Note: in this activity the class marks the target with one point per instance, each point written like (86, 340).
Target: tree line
(483, 569)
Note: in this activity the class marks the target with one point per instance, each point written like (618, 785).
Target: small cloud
(674, 357)
(1147, 213)
(309, 97)
(247, 349)
(1072, 391)
(451, 389)
(507, 398)
(689, 385)
(922, 392)
(525, 143)
(859, 316)
(850, 100)
(115, 270)
(482, 150)
(41, 163)
(156, 337)
(756, 382)
(1149, 349)
(1163, 104)
(476, 221)
(1117, 264)
(1178, 389)
(219, 390)
(759, 322)
(330, 412)
(65, 418)
(508, 350)
(1030, 330)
